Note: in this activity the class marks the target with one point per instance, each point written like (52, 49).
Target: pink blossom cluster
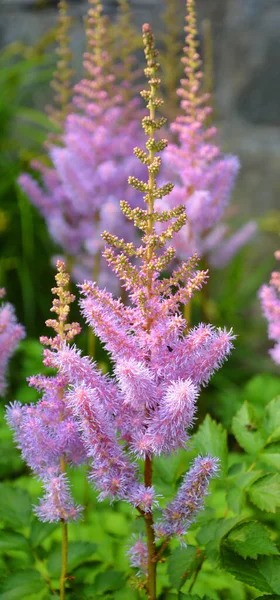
(46, 432)
(270, 301)
(79, 193)
(11, 332)
(203, 175)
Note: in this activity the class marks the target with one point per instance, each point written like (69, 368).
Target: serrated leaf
(271, 456)
(23, 585)
(263, 574)
(250, 539)
(261, 388)
(265, 493)
(15, 506)
(235, 499)
(78, 553)
(10, 540)
(272, 420)
(109, 581)
(245, 480)
(245, 429)
(211, 535)
(181, 565)
(211, 438)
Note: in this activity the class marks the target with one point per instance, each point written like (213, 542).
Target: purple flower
(11, 333)
(270, 302)
(179, 514)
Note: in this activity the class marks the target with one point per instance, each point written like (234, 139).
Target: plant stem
(64, 546)
(149, 522)
(64, 559)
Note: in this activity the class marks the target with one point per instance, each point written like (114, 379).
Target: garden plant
(154, 434)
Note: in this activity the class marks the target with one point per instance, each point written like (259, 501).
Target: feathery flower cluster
(270, 301)
(147, 406)
(11, 332)
(46, 432)
(81, 191)
(203, 176)
(189, 499)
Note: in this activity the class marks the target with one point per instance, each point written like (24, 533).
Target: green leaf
(261, 388)
(15, 506)
(39, 531)
(271, 456)
(245, 429)
(181, 565)
(250, 539)
(265, 493)
(78, 553)
(10, 540)
(211, 438)
(22, 585)
(272, 420)
(270, 597)
(109, 581)
(263, 574)
(211, 535)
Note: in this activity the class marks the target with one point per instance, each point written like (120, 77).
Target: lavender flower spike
(11, 333)
(179, 514)
(46, 433)
(270, 301)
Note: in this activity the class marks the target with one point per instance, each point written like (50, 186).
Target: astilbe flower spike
(270, 302)
(46, 432)
(146, 407)
(11, 333)
(80, 191)
(203, 176)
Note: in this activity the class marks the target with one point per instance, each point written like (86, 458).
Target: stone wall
(247, 75)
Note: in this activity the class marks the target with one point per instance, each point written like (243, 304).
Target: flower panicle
(270, 303)
(65, 332)
(11, 333)
(62, 79)
(180, 513)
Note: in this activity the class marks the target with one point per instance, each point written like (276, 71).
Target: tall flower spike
(179, 514)
(63, 74)
(78, 194)
(11, 333)
(204, 176)
(46, 432)
(147, 405)
(270, 302)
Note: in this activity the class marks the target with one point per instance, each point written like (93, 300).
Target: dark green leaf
(211, 535)
(109, 581)
(263, 574)
(39, 531)
(79, 552)
(272, 420)
(245, 429)
(10, 540)
(23, 585)
(211, 438)
(181, 565)
(15, 506)
(265, 493)
(250, 539)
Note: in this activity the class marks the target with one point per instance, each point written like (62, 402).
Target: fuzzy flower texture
(80, 192)
(148, 405)
(11, 332)
(46, 432)
(270, 301)
(203, 176)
